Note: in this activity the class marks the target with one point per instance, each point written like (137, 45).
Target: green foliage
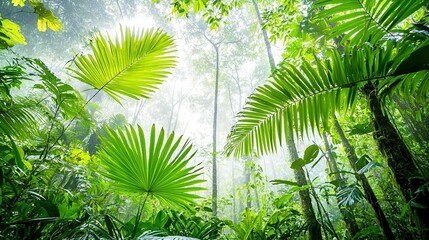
(307, 96)
(213, 11)
(132, 65)
(155, 166)
(359, 21)
(69, 102)
(10, 34)
(17, 115)
(348, 196)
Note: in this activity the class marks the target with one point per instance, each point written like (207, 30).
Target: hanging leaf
(297, 164)
(45, 17)
(20, 3)
(310, 153)
(10, 34)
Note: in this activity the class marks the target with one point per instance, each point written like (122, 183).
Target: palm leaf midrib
(371, 18)
(302, 98)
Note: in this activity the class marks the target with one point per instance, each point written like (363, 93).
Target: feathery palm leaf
(366, 20)
(132, 65)
(154, 165)
(306, 97)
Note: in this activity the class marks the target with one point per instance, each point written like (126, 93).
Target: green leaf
(20, 3)
(284, 182)
(154, 165)
(45, 17)
(69, 101)
(132, 65)
(361, 129)
(360, 21)
(349, 196)
(311, 153)
(363, 161)
(297, 164)
(368, 167)
(10, 34)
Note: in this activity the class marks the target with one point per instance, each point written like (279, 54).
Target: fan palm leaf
(156, 165)
(360, 21)
(306, 97)
(132, 65)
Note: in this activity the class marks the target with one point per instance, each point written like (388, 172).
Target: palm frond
(360, 21)
(306, 97)
(133, 65)
(154, 165)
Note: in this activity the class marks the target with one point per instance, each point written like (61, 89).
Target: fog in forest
(226, 48)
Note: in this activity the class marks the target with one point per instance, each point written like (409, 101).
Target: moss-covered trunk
(368, 192)
(399, 158)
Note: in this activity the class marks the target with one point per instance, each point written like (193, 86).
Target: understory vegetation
(214, 119)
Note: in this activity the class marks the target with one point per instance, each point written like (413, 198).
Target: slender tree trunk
(247, 180)
(399, 157)
(314, 229)
(347, 212)
(265, 35)
(369, 193)
(214, 169)
(234, 207)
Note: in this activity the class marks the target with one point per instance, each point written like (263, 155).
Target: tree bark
(369, 193)
(314, 229)
(247, 179)
(399, 158)
(214, 168)
(264, 35)
(346, 212)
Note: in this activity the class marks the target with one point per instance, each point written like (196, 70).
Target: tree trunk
(369, 193)
(399, 157)
(346, 212)
(314, 229)
(247, 179)
(265, 35)
(214, 169)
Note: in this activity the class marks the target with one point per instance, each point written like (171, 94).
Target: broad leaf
(311, 153)
(298, 164)
(154, 164)
(132, 65)
(10, 34)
